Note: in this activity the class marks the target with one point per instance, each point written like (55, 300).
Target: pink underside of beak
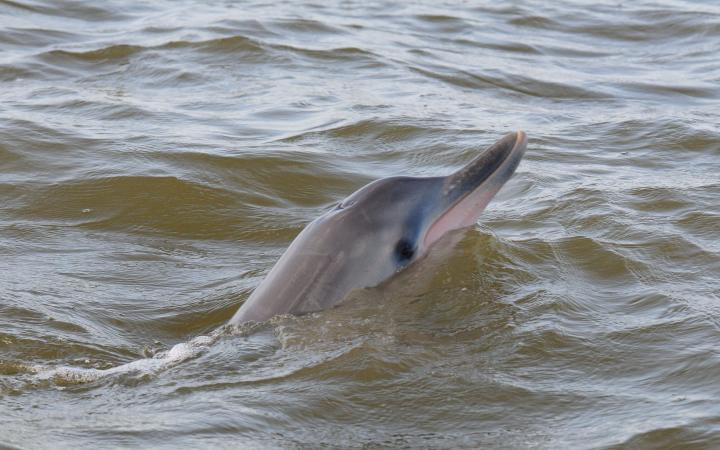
(466, 212)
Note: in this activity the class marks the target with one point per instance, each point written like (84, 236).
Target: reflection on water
(156, 159)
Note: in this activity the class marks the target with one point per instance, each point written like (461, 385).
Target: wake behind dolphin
(378, 231)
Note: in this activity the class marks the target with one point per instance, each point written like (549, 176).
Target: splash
(147, 366)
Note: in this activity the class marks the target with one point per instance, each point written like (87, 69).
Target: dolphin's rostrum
(377, 231)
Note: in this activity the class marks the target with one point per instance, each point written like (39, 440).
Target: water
(157, 158)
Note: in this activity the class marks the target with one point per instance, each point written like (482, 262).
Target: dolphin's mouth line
(493, 165)
(463, 212)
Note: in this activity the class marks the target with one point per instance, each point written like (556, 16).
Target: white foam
(159, 362)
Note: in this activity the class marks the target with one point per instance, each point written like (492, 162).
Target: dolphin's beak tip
(520, 139)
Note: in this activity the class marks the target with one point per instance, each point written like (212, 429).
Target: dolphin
(378, 231)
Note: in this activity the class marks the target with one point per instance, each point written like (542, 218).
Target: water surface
(157, 158)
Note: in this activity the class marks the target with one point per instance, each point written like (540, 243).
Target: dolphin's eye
(404, 250)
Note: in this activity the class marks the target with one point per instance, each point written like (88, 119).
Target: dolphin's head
(377, 231)
(401, 217)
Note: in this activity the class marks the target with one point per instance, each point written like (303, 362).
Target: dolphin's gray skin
(377, 231)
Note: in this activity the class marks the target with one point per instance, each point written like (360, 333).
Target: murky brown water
(157, 157)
